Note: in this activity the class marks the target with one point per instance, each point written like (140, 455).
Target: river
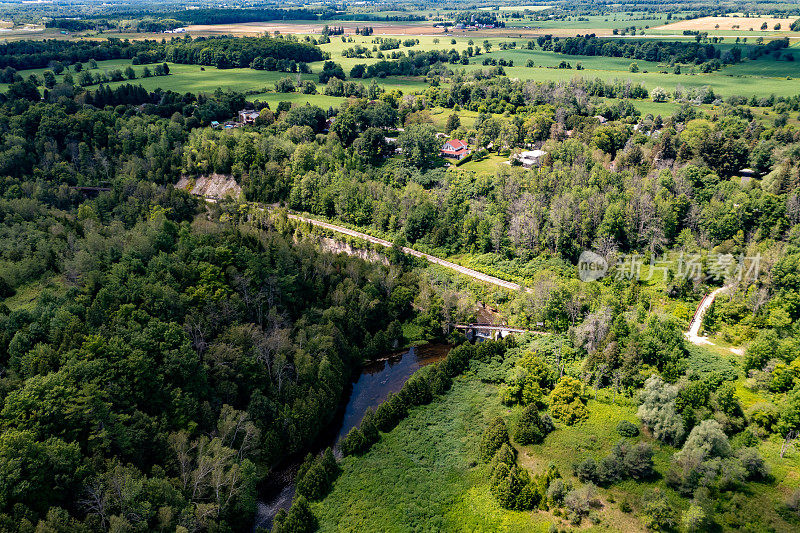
(374, 384)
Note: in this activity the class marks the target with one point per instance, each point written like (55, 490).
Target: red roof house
(455, 148)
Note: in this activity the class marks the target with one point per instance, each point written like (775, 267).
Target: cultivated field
(313, 27)
(730, 23)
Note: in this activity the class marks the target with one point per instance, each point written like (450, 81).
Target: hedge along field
(190, 78)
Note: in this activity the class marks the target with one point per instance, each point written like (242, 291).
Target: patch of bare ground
(215, 186)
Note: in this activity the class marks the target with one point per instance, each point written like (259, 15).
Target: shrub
(369, 428)
(623, 462)
(416, 391)
(506, 455)
(438, 381)
(510, 484)
(793, 502)
(695, 518)
(586, 470)
(753, 463)
(532, 427)
(285, 85)
(764, 415)
(658, 94)
(627, 429)
(579, 501)
(299, 519)
(493, 439)
(313, 484)
(567, 401)
(657, 410)
(706, 460)
(557, 491)
(390, 413)
(745, 439)
(658, 513)
(354, 443)
(708, 440)
(308, 87)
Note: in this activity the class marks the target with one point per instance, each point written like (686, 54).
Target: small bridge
(491, 331)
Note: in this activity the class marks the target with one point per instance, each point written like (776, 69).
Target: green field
(609, 21)
(761, 77)
(425, 473)
(422, 477)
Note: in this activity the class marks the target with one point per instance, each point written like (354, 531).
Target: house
(215, 124)
(455, 148)
(248, 116)
(531, 158)
(601, 118)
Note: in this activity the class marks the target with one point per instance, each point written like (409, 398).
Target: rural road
(693, 335)
(480, 276)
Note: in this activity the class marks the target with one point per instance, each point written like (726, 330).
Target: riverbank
(376, 380)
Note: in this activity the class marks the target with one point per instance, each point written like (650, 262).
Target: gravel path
(432, 258)
(693, 335)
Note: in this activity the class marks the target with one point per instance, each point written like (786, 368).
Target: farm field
(608, 21)
(721, 84)
(731, 23)
(761, 77)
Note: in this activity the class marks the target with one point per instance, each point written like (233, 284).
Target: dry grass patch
(729, 23)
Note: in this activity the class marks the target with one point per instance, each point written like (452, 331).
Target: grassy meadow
(426, 475)
(423, 476)
(761, 77)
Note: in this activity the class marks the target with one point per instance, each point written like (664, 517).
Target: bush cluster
(625, 461)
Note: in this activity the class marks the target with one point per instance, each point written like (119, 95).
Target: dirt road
(480, 276)
(693, 335)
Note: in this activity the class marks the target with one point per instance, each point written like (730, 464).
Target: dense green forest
(161, 355)
(160, 347)
(222, 52)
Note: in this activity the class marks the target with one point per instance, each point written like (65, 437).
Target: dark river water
(374, 384)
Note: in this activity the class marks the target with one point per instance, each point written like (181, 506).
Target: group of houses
(452, 149)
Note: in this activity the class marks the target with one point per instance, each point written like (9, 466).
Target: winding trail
(693, 335)
(480, 276)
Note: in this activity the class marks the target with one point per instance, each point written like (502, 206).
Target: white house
(529, 159)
